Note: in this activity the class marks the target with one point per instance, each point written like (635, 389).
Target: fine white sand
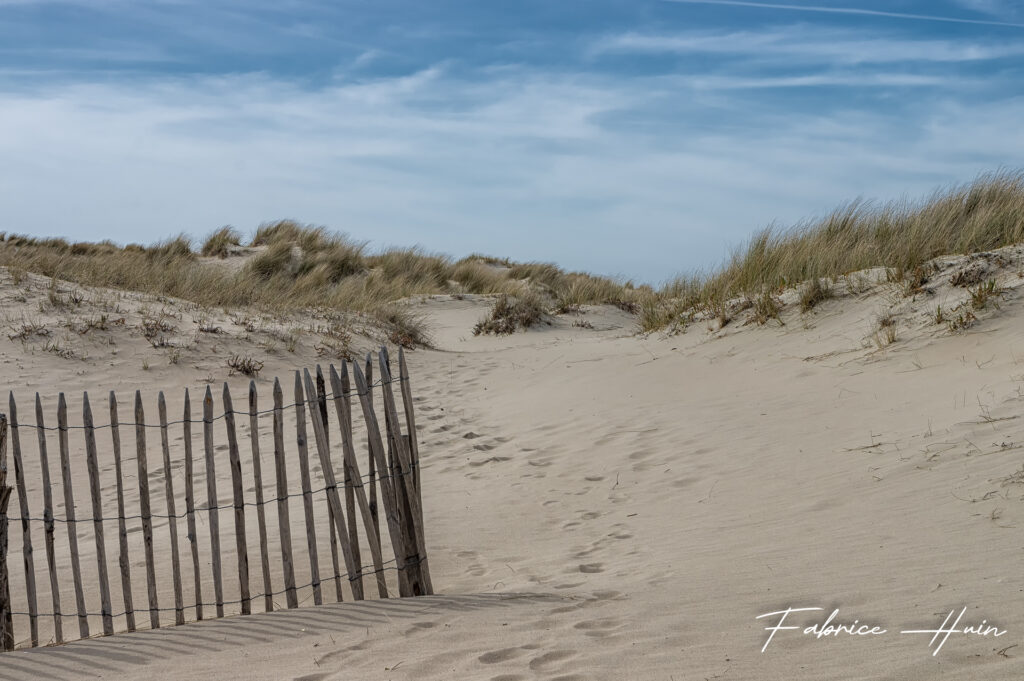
(601, 505)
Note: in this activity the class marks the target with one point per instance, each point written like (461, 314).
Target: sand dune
(602, 505)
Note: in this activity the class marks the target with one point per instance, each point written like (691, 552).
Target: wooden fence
(343, 496)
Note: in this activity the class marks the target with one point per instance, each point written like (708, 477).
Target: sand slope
(606, 506)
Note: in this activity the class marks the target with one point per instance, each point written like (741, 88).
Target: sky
(632, 138)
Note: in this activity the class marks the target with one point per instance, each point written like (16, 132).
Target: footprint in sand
(493, 459)
(542, 662)
(502, 655)
(591, 568)
(599, 628)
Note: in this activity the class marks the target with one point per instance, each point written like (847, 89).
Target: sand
(603, 505)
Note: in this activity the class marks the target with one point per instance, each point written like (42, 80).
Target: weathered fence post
(97, 515)
(26, 530)
(283, 517)
(145, 511)
(190, 505)
(6, 618)
(69, 513)
(211, 501)
(261, 514)
(241, 550)
(48, 525)
(307, 494)
(321, 406)
(172, 516)
(123, 560)
(372, 473)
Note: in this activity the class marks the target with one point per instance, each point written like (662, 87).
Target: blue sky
(636, 138)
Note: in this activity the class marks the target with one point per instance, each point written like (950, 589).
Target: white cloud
(662, 173)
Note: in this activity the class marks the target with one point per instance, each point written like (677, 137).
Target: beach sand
(602, 505)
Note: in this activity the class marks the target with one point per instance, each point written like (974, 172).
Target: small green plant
(28, 329)
(61, 349)
(100, 323)
(206, 326)
(964, 320)
(250, 324)
(984, 293)
(59, 301)
(291, 341)
(911, 280)
(155, 330)
(245, 365)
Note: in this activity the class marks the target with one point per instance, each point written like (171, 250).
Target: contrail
(848, 10)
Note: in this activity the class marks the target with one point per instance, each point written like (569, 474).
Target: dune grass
(298, 267)
(902, 236)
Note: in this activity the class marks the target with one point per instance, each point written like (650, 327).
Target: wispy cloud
(852, 11)
(809, 44)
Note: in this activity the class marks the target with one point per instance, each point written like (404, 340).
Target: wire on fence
(266, 502)
(409, 563)
(260, 412)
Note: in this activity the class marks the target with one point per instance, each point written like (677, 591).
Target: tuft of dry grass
(766, 307)
(813, 292)
(402, 326)
(218, 244)
(511, 313)
(885, 330)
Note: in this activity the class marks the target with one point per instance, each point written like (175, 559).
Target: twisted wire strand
(266, 502)
(363, 571)
(237, 412)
